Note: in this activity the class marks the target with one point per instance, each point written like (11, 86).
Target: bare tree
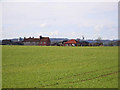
(99, 41)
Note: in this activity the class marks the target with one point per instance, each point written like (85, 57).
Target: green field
(59, 67)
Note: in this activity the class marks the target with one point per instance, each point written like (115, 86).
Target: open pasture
(59, 67)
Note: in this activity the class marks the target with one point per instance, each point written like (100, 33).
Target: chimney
(33, 37)
(24, 37)
(40, 37)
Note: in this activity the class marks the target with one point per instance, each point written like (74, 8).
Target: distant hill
(53, 40)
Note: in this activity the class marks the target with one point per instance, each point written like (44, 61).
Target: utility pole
(83, 37)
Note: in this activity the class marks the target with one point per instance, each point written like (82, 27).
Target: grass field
(59, 67)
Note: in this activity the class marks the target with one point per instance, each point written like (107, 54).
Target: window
(44, 42)
(41, 42)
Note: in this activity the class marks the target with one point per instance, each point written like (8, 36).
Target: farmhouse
(71, 42)
(44, 41)
(41, 41)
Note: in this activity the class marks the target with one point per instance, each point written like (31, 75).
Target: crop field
(59, 67)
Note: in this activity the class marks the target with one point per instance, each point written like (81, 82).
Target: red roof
(31, 40)
(45, 39)
(72, 41)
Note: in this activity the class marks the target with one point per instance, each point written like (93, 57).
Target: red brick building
(44, 41)
(41, 41)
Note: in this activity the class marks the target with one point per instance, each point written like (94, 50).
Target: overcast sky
(60, 19)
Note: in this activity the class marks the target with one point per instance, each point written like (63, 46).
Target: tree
(99, 41)
(20, 39)
(83, 37)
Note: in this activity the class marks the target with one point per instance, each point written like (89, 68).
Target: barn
(71, 42)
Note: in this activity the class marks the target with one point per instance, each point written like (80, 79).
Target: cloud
(51, 34)
(43, 25)
(98, 28)
(57, 33)
(68, 18)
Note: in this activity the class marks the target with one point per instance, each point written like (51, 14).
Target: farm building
(71, 42)
(6, 42)
(84, 43)
(10, 42)
(41, 41)
(44, 41)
